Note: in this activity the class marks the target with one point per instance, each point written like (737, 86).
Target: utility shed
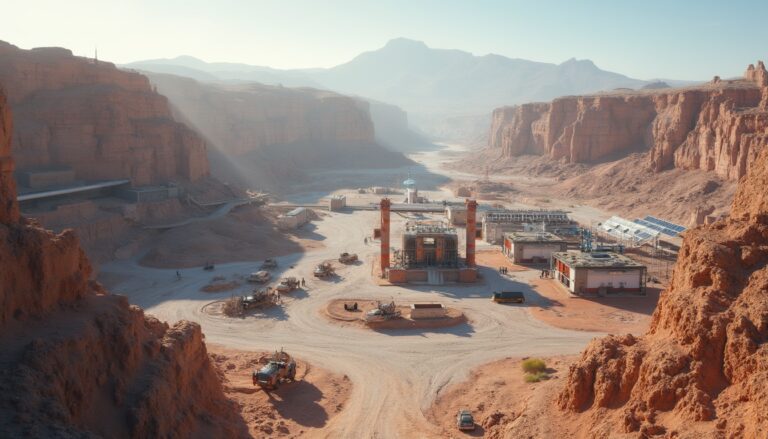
(598, 273)
(427, 311)
(337, 202)
(457, 215)
(528, 247)
(293, 219)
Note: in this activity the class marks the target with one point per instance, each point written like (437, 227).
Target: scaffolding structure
(429, 244)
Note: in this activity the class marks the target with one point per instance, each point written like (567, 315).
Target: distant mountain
(430, 84)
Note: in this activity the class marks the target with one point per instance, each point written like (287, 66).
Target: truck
(287, 284)
(259, 277)
(348, 258)
(280, 368)
(382, 312)
(323, 270)
(508, 297)
(268, 264)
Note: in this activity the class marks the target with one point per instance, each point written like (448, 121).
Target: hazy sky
(681, 39)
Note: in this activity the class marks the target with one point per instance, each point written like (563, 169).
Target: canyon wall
(705, 356)
(719, 127)
(79, 362)
(270, 136)
(77, 112)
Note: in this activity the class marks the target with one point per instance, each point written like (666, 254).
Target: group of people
(503, 270)
(544, 274)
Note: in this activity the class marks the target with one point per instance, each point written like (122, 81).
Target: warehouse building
(532, 247)
(598, 273)
(294, 219)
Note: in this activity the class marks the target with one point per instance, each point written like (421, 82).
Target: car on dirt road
(260, 277)
(508, 297)
(464, 420)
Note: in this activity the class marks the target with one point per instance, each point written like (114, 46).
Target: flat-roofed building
(337, 202)
(532, 247)
(294, 219)
(598, 273)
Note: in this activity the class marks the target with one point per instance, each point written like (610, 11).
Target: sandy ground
(247, 233)
(395, 373)
(297, 409)
(336, 313)
(498, 396)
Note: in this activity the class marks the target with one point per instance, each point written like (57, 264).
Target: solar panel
(663, 226)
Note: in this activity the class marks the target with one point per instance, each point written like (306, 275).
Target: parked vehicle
(287, 284)
(269, 264)
(465, 421)
(280, 368)
(508, 297)
(260, 277)
(323, 270)
(348, 258)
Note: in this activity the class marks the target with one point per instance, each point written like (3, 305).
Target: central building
(430, 244)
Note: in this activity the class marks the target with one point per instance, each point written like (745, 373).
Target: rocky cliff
(719, 127)
(73, 111)
(78, 362)
(268, 135)
(704, 360)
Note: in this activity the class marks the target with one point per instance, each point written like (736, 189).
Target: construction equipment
(324, 269)
(259, 277)
(287, 284)
(348, 258)
(268, 264)
(258, 299)
(382, 312)
(279, 368)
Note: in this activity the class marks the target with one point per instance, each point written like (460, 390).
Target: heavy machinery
(268, 264)
(279, 369)
(259, 277)
(348, 258)
(324, 270)
(287, 284)
(258, 299)
(382, 312)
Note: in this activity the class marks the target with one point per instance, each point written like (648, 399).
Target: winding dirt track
(395, 374)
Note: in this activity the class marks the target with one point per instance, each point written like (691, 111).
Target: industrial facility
(430, 250)
(532, 247)
(598, 273)
(498, 222)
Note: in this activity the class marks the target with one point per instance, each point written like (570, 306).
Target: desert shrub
(533, 365)
(535, 377)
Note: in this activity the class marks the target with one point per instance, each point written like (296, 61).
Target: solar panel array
(634, 233)
(660, 225)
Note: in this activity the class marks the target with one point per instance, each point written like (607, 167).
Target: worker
(178, 275)
(303, 282)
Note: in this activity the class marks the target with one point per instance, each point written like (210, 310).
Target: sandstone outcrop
(705, 357)
(72, 111)
(719, 127)
(270, 135)
(78, 362)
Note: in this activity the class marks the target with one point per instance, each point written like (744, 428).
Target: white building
(598, 273)
(294, 219)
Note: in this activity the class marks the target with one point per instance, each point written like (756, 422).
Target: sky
(675, 39)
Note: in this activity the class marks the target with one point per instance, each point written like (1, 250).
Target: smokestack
(471, 232)
(385, 204)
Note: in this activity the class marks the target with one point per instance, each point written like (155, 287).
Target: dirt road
(396, 375)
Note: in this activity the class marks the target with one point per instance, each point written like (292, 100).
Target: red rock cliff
(78, 362)
(705, 357)
(75, 112)
(718, 127)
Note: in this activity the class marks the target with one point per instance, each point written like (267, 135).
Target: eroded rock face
(77, 361)
(704, 357)
(719, 127)
(75, 112)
